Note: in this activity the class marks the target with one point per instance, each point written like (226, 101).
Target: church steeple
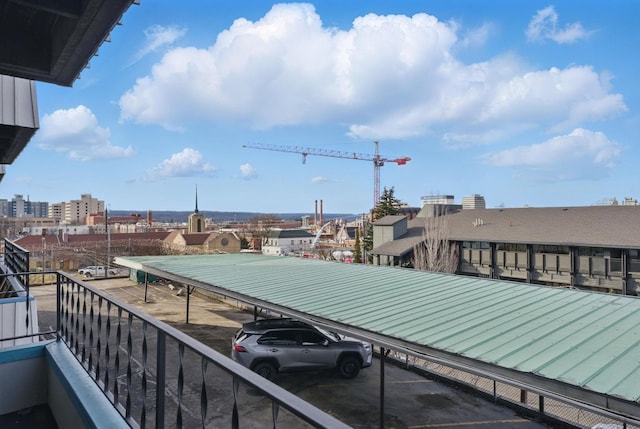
(196, 211)
(196, 220)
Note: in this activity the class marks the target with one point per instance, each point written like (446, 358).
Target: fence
(534, 402)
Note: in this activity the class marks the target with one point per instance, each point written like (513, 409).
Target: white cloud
(157, 37)
(580, 154)
(476, 36)
(544, 25)
(76, 131)
(320, 179)
(247, 172)
(386, 77)
(188, 163)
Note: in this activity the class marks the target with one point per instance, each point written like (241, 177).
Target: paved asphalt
(411, 401)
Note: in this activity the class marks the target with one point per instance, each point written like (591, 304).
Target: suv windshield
(331, 335)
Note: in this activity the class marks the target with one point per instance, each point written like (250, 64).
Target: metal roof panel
(582, 339)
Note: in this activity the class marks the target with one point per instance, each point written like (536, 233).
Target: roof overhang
(53, 40)
(18, 116)
(50, 41)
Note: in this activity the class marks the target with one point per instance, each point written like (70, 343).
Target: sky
(530, 103)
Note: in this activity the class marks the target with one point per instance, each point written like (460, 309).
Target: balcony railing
(157, 376)
(132, 357)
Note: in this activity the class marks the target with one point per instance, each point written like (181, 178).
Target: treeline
(222, 217)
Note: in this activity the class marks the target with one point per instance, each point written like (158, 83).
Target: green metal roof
(580, 344)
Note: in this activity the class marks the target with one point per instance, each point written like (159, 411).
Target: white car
(96, 271)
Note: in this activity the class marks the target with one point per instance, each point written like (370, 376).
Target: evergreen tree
(357, 253)
(387, 205)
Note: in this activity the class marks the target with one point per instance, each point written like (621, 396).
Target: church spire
(196, 200)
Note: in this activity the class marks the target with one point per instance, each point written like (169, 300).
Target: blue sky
(526, 103)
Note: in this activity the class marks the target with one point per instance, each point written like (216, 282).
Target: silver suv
(270, 346)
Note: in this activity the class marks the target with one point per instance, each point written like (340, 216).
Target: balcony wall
(47, 373)
(13, 313)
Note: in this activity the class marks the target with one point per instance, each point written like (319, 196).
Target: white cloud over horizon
(76, 132)
(287, 68)
(578, 155)
(187, 163)
(247, 172)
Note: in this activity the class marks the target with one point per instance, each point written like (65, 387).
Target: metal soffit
(568, 340)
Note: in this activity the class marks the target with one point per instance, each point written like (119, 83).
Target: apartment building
(75, 212)
(18, 206)
(595, 247)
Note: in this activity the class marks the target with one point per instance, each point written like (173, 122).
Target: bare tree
(259, 228)
(435, 252)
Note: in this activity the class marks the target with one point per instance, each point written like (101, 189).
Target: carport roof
(579, 344)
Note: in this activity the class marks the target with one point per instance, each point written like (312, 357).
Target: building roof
(592, 226)
(196, 238)
(581, 344)
(389, 220)
(404, 244)
(35, 241)
(289, 233)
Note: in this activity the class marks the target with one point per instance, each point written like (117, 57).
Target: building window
(591, 251)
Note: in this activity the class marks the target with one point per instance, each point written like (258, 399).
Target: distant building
(474, 201)
(19, 207)
(75, 212)
(593, 247)
(203, 243)
(437, 200)
(281, 242)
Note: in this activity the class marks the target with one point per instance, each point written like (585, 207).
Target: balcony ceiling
(49, 41)
(53, 40)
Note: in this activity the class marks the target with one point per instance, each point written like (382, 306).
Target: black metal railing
(16, 259)
(157, 376)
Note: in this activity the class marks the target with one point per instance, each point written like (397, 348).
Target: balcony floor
(38, 417)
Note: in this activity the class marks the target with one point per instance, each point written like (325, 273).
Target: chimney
(315, 215)
(321, 215)
(149, 217)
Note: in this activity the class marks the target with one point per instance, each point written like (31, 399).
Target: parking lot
(411, 401)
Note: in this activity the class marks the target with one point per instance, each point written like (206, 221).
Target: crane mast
(377, 160)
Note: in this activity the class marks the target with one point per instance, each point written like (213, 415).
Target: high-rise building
(475, 201)
(75, 211)
(19, 207)
(437, 200)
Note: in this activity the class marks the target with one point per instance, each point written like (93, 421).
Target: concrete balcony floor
(38, 417)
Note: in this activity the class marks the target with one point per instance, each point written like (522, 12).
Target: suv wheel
(349, 367)
(266, 370)
(88, 275)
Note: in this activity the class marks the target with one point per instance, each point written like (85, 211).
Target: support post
(188, 303)
(383, 356)
(146, 285)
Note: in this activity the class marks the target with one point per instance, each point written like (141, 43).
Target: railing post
(161, 348)
(58, 305)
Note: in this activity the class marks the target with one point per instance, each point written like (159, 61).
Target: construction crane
(378, 161)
